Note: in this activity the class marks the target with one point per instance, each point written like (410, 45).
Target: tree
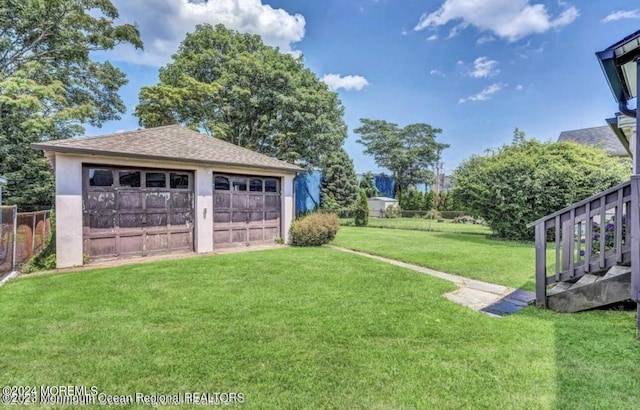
(236, 88)
(526, 180)
(339, 185)
(412, 200)
(409, 152)
(362, 209)
(49, 85)
(368, 184)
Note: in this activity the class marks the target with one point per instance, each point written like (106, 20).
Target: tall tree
(409, 152)
(50, 86)
(234, 87)
(339, 185)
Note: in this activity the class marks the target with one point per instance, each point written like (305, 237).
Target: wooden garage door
(246, 210)
(136, 212)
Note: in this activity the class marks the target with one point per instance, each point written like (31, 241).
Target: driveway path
(494, 300)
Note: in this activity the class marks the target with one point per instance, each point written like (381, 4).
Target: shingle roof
(603, 137)
(168, 143)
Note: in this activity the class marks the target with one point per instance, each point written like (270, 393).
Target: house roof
(167, 143)
(603, 137)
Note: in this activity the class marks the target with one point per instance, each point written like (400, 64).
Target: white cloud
(432, 37)
(437, 72)
(519, 87)
(507, 19)
(622, 14)
(485, 39)
(348, 82)
(163, 24)
(484, 68)
(485, 94)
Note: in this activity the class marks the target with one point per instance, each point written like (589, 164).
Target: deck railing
(589, 236)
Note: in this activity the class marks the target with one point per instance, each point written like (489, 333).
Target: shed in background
(378, 205)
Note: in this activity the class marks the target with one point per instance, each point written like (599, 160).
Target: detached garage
(164, 190)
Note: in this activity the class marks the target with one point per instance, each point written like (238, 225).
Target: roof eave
(293, 169)
(613, 124)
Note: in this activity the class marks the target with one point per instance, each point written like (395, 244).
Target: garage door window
(239, 184)
(255, 185)
(100, 177)
(221, 184)
(270, 185)
(156, 180)
(129, 179)
(178, 181)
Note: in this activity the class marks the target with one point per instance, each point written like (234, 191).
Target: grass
(307, 328)
(422, 224)
(471, 255)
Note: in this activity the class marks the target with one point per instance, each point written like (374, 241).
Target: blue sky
(474, 68)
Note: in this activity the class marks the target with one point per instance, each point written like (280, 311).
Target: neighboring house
(603, 137)
(3, 182)
(163, 190)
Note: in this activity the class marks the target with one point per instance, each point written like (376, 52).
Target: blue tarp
(307, 191)
(385, 185)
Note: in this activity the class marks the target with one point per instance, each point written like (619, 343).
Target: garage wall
(68, 211)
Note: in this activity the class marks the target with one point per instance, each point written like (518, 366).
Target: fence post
(15, 237)
(33, 235)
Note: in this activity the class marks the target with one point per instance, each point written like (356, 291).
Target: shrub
(362, 209)
(314, 229)
(392, 212)
(526, 180)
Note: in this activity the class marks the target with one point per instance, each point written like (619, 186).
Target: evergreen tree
(368, 183)
(339, 187)
(362, 209)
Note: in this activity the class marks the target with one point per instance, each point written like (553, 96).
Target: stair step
(591, 291)
(586, 279)
(617, 270)
(559, 288)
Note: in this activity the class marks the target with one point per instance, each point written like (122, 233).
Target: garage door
(246, 210)
(136, 212)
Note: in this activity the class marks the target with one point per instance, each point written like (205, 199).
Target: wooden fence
(22, 235)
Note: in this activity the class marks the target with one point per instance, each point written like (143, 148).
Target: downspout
(622, 106)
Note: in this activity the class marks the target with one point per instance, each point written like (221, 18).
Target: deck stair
(591, 290)
(591, 247)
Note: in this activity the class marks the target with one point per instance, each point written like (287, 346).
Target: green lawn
(471, 255)
(307, 328)
(422, 224)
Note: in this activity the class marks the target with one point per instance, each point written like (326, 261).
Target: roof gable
(602, 136)
(168, 143)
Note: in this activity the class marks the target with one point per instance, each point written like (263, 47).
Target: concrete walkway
(494, 300)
